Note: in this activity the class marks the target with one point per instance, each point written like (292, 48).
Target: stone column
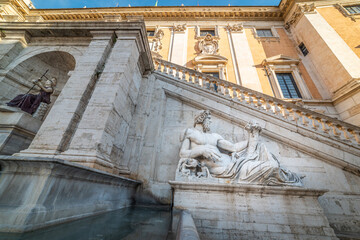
(179, 45)
(60, 124)
(100, 137)
(243, 57)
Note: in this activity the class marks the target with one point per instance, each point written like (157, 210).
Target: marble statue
(208, 156)
(30, 102)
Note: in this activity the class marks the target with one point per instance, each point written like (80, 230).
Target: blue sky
(134, 3)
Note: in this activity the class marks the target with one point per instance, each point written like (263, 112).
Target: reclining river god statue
(206, 156)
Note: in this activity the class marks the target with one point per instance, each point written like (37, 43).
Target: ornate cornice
(160, 13)
(11, 7)
(236, 13)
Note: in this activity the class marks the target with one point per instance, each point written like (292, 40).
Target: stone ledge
(246, 188)
(19, 161)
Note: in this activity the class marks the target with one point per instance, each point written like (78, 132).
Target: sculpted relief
(208, 45)
(208, 157)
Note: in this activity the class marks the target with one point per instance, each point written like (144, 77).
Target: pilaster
(245, 62)
(100, 137)
(178, 49)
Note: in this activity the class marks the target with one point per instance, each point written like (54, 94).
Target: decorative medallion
(209, 45)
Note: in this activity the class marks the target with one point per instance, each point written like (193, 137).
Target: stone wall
(37, 192)
(222, 211)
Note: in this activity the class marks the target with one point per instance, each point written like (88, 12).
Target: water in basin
(134, 223)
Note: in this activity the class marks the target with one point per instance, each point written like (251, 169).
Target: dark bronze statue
(30, 102)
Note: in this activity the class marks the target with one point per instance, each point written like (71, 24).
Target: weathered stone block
(38, 192)
(253, 211)
(17, 129)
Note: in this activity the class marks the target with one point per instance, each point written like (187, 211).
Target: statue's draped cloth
(30, 102)
(257, 165)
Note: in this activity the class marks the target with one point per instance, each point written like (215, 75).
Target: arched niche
(18, 79)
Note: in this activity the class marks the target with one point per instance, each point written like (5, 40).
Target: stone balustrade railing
(320, 123)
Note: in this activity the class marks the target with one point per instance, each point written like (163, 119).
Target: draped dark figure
(30, 102)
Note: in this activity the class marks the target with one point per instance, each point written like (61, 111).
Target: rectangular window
(204, 32)
(288, 85)
(354, 9)
(150, 33)
(303, 49)
(213, 74)
(264, 33)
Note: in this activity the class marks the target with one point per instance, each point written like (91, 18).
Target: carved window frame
(345, 12)
(198, 29)
(219, 68)
(290, 66)
(275, 35)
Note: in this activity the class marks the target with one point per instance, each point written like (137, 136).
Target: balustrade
(290, 112)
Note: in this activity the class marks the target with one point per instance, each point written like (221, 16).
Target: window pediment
(280, 60)
(210, 60)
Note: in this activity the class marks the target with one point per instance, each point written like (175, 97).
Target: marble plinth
(224, 211)
(38, 192)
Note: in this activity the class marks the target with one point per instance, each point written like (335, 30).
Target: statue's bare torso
(207, 145)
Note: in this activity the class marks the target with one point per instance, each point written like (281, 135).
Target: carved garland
(157, 45)
(179, 28)
(235, 28)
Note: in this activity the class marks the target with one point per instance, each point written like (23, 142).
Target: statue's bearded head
(203, 118)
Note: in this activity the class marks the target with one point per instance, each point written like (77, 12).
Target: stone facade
(118, 111)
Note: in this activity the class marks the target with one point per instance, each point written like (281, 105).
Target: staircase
(316, 122)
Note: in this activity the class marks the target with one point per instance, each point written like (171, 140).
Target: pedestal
(224, 211)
